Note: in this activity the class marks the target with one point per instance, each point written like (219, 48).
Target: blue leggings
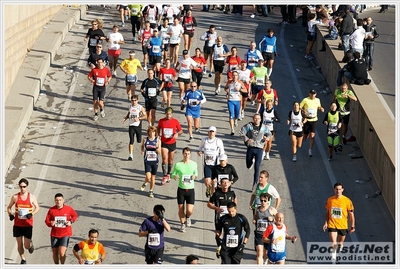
(257, 154)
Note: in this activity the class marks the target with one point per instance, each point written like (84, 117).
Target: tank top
(279, 234)
(146, 34)
(188, 24)
(233, 62)
(135, 112)
(295, 121)
(268, 119)
(252, 58)
(22, 208)
(333, 120)
(264, 219)
(150, 154)
(90, 255)
(211, 151)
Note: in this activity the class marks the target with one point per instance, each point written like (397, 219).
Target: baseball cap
(155, 30)
(185, 52)
(212, 128)
(223, 157)
(132, 52)
(313, 91)
(243, 61)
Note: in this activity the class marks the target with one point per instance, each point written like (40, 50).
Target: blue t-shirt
(154, 240)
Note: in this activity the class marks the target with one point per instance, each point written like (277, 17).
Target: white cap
(223, 157)
(212, 128)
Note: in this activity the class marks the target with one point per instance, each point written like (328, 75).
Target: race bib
(311, 112)
(279, 247)
(156, 49)
(134, 10)
(211, 42)
(225, 210)
(167, 77)
(89, 262)
(168, 132)
(151, 156)
(192, 102)
(152, 92)
(332, 127)
(131, 78)
(269, 48)
(220, 177)
(92, 42)
(153, 239)
(22, 212)
(60, 221)
(186, 179)
(152, 19)
(232, 240)
(175, 39)
(336, 213)
(262, 225)
(100, 81)
(233, 67)
(260, 81)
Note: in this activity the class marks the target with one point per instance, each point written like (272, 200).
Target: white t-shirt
(184, 67)
(114, 38)
(177, 32)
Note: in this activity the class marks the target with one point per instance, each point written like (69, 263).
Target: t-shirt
(310, 106)
(167, 129)
(177, 31)
(113, 39)
(338, 210)
(260, 74)
(131, 65)
(185, 172)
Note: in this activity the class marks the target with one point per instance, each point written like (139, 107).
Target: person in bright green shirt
(136, 20)
(185, 172)
(260, 73)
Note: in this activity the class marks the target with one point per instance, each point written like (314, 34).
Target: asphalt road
(65, 151)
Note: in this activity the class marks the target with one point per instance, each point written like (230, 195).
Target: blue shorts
(234, 109)
(256, 88)
(58, 242)
(194, 113)
(276, 256)
(151, 167)
(208, 170)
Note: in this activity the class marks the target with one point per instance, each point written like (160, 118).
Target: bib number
(186, 179)
(152, 92)
(131, 78)
(100, 81)
(153, 239)
(22, 212)
(60, 222)
(93, 42)
(269, 48)
(232, 240)
(168, 133)
(151, 156)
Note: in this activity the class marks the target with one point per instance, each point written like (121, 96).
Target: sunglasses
(264, 201)
(193, 86)
(23, 187)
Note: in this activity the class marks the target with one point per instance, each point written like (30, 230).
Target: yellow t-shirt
(338, 209)
(131, 65)
(310, 106)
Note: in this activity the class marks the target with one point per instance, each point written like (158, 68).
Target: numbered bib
(151, 156)
(167, 77)
(152, 92)
(220, 177)
(60, 221)
(262, 225)
(134, 10)
(175, 39)
(279, 247)
(192, 102)
(156, 49)
(260, 81)
(131, 78)
(92, 42)
(22, 212)
(168, 132)
(311, 112)
(153, 239)
(269, 48)
(100, 81)
(332, 127)
(232, 240)
(225, 210)
(89, 262)
(186, 179)
(336, 213)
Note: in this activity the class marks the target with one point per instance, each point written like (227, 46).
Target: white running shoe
(267, 156)
(252, 165)
(188, 222)
(252, 16)
(103, 113)
(145, 68)
(183, 228)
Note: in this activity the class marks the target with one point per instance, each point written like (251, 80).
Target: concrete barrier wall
(370, 122)
(23, 24)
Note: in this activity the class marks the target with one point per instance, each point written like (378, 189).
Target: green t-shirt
(185, 171)
(259, 75)
(135, 9)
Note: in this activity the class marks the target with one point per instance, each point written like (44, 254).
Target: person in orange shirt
(92, 251)
(25, 207)
(338, 209)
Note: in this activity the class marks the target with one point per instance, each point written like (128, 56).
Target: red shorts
(114, 53)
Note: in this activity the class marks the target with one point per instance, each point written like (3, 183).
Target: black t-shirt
(93, 34)
(358, 69)
(227, 170)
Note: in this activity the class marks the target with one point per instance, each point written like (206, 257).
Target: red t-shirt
(167, 75)
(167, 129)
(61, 215)
(100, 76)
(199, 60)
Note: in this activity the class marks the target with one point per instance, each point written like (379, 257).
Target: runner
(260, 73)
(197, 73)
(136, 18)
(188, 23)
(186, 172)
(93, 252)
(247, 77)
(333, 121)
(167, 75)
(270, 116)
(194, 98)
(220, 52)
(100, 77)
(26, 206)
(264, 186)
(175, 32)
(233, 62)
(223, 170)
(267, 46)
(209, 37)
(150, 89)
(154, 44)
(115, 39)
(296, 121)
(168, 129)
(184, 68)
(152, 14)
(136, 114)
(233, 89)
(150, 149)
(212, 148)
(94, 36)
(253, 56)
(145, 34)
(129, 66)
(165, 39)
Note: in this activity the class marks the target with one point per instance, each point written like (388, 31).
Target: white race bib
(186, 179)
(152, 92)
(269, 48)
(100, 81)
(153, 239)
(93, 42)
(60, 221)
(260, 81)
(262, 225)
(131, 78)
(168, 132)
(232, 240)
(151, 156)
(22, 212)
(156, 49)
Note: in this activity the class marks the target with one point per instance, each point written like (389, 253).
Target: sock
(95, 114)
(269, 72)
(164, 169)
(101, 109)
(169, 168)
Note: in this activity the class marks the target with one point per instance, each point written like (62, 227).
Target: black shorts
(342, 232)
(151, 167)
(170, 147)
(219, 65)
(150, 103)
(135, 130)
(22, 231)
(153, 255)
(165, 47)
(189, 33)
(167, 89)
(346, 119)
(154, 59)
(311, 37)
(145, 50)
(57, 242)
(244, 94)
(255, 89)
(183, 195)
(153, 25)
(173, 45)
(296, 134)
(207, 49)
(268, 56)
(123, 7)
(310, 127)
(99, 92)
(258, 240)
(184, 80)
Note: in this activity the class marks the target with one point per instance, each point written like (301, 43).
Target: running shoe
(151, 194)
(143, 187)
(164, 180)
(103, 113)
(253, 103)
(188, 222)
(208, 192)
(210, 75)
(330, 158)
(191, 139)
(130, 158)
(236, 122)
(340, 147)
(197, 130)
(218, 252)
(23, 261)
(294, 158)
(267, 156)
(310, 152)
(162, 104)
(95, 118)
(183, 228)
(232, 132)
(145, 68)
(252, 16)
(168, 178)
(32, 248)
(263, 156)
(129, 97)
(123, 24)
(216, 91)
(115, 73)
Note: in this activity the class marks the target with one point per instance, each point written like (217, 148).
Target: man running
(220, 52)
(209, 37)
(129, 66)
(150, 89)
